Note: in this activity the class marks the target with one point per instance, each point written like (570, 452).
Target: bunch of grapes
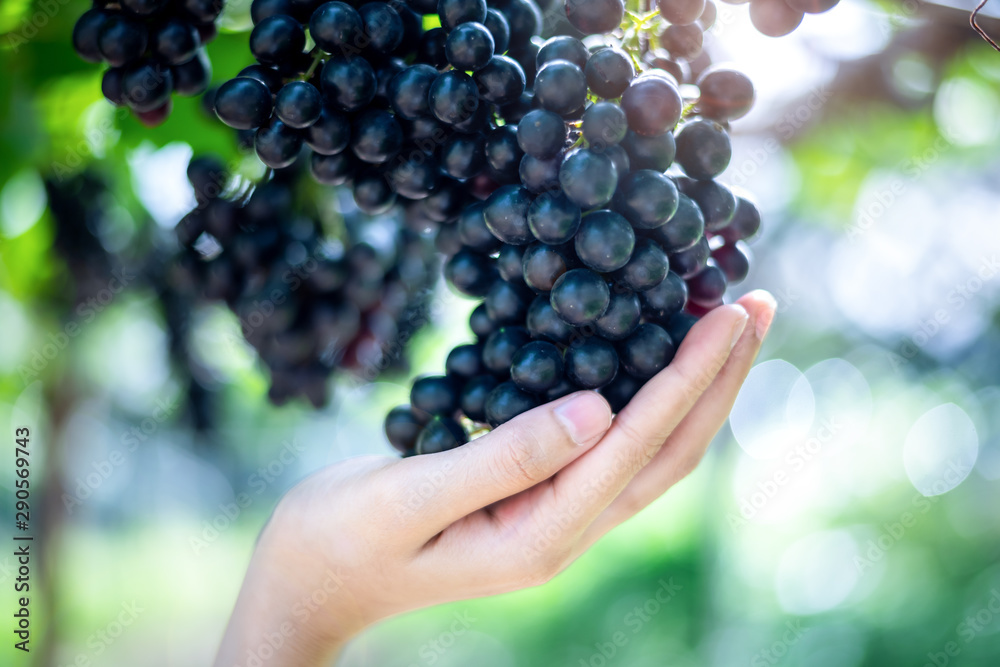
(153, 48)
(612, 239)
(310, 293)
(397, 114)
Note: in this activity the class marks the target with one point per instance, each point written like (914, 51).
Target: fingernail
(585, 416)
(764, 323)
(738, 327)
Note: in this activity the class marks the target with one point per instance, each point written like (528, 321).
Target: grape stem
(317, 59)
(975, 25)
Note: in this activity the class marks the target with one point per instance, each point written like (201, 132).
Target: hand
(376, 536)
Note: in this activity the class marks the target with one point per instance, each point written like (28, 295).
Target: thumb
(513, 457)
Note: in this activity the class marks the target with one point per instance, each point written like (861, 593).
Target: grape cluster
(400, 115)
(311, 294)
(153, 48)
(595, 261)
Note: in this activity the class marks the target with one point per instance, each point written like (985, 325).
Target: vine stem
(975, 25)
(317, 59)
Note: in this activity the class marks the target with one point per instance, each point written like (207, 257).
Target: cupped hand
(376, 536)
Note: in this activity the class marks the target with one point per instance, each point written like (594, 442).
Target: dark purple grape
(336, 28)
(689, 262)
(372, 193)
(774, 18)
(469, 46)
(277, 39)
(655, 153)
(416, 177)
(539, 175)
(121, 40)
(716, 201)
(553, 219)
(560, 86)
(647, 267)
(744, 224)
(622, 316)
(298, 104)
(402, 429)
(591, 364)
(604, 241)
(262, 9)
(331, 169)
(563, 47)
(647, 351)
(194, 76)
(707, 287)
(465, 361)
(463, 155)
(726, 94)
(376, 137)
(471, 273)
(537, 367)
(113, 85)
(501, 346)
(544, 322)
(542, 266)
(679, 325)
(474, 395)
(382, 25)
(684, 229)
(681, 12)
(433, 396)
(541, 134)
(505, 402)
(506, 214)
(682, 41)
(480, 322)
(330, 134)
(86, 35)
(277, 144)
(604, 124)
(609, 72)
(175, 42)
(453, 97)
(580, 296)
(473, 230)
(266, 75)
(455, 12)
(525, 21)
(500, 81)
(652, 104)
(440, 435)
(510, 263)
(647, 199)
(146, 86)
(588, 178)
(621, 390)
(734, 261)
(703, 149)
(592, 17)
(499, 28)
(507, 302)
(666, 299)
(503, 153)
(348, 83)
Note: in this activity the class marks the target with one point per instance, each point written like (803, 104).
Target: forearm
(279, 622)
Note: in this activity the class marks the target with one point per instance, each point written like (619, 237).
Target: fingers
(593, 481)
(515, 456)
(687, 444)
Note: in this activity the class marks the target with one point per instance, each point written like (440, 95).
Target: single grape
(542, 265)
(591, 364)
(262, 9)
(563, 47)
(86, 35)
(415, 177)
(646, 269)
(716, 201)
(431, 49)
(194, 76)
(703, 149)
(121, 40)
(500, 81)
(539, 175)
(592, 17)
(266, 75)
(348, 83)
(650, 152)
(560, 86)
(510, 263)
(541, 134)
(679, 325)
(580, 296)
(298, 104)
(605, 241)
(175, 42)
(277, 144)
(402, 429)
(647, 199)
(146, 86)
(681, 12)
(647, 351)
(682, 41)
(744, 224)
(480, 322)
(473, 230)
(463, 155)
(684, 229)
(505, 402)
(330, 134)
(506, 214)
(609, 72)
(499, 28)
(537, 367)
(469, 46)
(666, 299)
(652, 105)
(277, 39)
(331, 169)
(474, 395)
(622, 316)
(382, 25)
(440, 435)
(465, 361)
(507, 303)
(588, 179)
(689, 262)
(434, 396)
(734, 260)
(503, 154)
(553, 218)
(501, 346)
(774, 18)
(708, 286)
(544, 322)
(456, 12)
(621, 390)
(604, 124)
(726, 94)
(376, 136)
(372, 193)
(453, 97)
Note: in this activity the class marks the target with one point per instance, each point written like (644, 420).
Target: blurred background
(847, 515)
